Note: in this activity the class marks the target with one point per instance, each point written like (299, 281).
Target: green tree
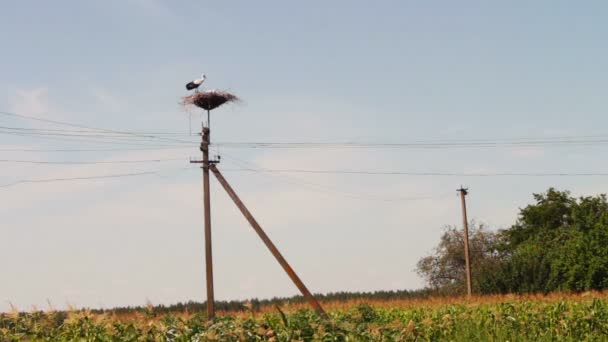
(558, 243)
(444, 269)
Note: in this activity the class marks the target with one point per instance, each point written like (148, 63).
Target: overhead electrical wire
(107, 135)
(126, 136)
(411, 145)
(95, 137)
(90, 162)
(127, 140)
(407, 173)
(94, 150)
(96, 177)
(89, 141)
(49, 180)
(316, 187)
(89, 131)
(63, 123)
(57, 133)
(558, 140)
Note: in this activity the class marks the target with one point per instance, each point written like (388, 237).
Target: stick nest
(209, 99)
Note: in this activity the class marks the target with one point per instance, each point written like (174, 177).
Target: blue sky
(391, 71)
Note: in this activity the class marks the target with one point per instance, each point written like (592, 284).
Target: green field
(575, 318)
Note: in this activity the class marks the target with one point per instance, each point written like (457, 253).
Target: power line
(90, 131)
(69, 134)
(581, 140)
(454, 143)
(89, 162)
(63, 123)
(88, 141)
(316, 187)
(78, 137)
(412, 145)
(117, 175)
(49, 180)
(93, 150)
(405, 173)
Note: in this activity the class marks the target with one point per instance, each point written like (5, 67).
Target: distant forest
(256, 304)
(558, 243)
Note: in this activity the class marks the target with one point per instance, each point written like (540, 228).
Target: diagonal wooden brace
(273, 249)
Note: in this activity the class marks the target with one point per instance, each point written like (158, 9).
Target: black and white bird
(196, 83)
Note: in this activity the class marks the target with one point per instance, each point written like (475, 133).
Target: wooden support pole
(207, 203)
(465, 223)
(273, 249)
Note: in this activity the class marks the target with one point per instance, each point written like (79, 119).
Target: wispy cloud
(153, 7)
(106, 99)
(30, 101)
(528, 152)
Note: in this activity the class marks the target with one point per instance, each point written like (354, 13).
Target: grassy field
(557, 317)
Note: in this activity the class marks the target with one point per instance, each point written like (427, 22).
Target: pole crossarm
(273, 249)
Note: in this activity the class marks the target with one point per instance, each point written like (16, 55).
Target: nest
(209, 99)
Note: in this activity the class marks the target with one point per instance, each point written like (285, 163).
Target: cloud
(153, 7)
(528, 152)
(30, 101)
(106, 98)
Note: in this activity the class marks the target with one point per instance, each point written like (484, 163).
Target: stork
(196, 83)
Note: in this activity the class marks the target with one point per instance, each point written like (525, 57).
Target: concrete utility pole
(205, 134)
(207, 200)
(465, 223)
(209, 100)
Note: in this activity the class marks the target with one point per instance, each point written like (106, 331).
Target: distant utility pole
(465, 223)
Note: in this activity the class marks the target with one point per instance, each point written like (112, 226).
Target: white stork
(196, 83)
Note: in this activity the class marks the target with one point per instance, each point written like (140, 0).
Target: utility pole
(206, 136)
(209, 100)
(465, 223)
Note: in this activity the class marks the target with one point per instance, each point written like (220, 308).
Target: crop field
(493, 318)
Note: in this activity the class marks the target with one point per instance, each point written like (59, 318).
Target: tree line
(558, 243)
(255, 304)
